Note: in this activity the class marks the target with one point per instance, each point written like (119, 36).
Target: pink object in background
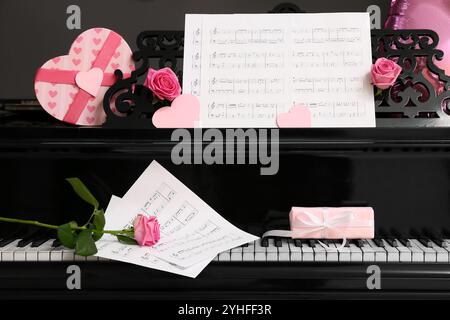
(421, 14)
(71, 87)
(183, 113)
(298, 117)
(332, 223)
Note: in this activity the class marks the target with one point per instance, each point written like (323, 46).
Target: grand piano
(401, 169)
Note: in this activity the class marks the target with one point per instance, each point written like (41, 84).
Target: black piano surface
(403, 173)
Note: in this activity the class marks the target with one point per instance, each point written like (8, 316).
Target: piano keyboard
(270, 250)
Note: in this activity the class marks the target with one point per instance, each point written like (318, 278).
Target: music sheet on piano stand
(248, 68)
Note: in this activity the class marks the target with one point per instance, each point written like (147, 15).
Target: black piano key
(297, 242)
(244, 245)
(27, 239)
(387, 237)
(38, 242)
(278, 243)
(265, 242)
(360, 243)
(378, 242)
(56, 243)
(434, 237)
(401, 238)
(5, 242)
(312, 243)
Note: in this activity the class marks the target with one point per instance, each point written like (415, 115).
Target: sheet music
(246, 69)
(192, 233)
(108, 247)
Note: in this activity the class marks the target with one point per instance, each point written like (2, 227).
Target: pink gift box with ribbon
(332, 223)
(71, 87)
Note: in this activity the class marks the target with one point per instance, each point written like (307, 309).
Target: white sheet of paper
(191, 231)
(119, 215)
(247, 68)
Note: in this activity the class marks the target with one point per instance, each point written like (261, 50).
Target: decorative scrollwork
(420, 96)
(128, 103)
(286, 7)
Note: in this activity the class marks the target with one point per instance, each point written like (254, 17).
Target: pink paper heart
(52, 93)
(90, 81)
(98, 30)
(115, 65)
(97, 41)
(116, 55)
(77, 50)
(76, 61)
(91, 108)
(90, 120)
(56, 60)
(79, 39)
(51, 105)
(183, 113)
(298, 117)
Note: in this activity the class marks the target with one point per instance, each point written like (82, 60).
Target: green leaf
(67, 235)
(98, 221)
(85, 245)
(82, 191)
(126, 240)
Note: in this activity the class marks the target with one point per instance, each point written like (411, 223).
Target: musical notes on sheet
(327, 59)
(324, 35)
(327, 84)
(244, 110)
(219, 36)
(192, 233)
(254, 66)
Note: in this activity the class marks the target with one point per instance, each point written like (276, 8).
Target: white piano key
(380, 253)
(393, 255)
(32, 254)
(429, 253)
(332, 253)
(271, 251)
(295, 252)
(7, 252)
(283, 251)
(405, 254)
(260, 251)
(356, 254)
(19, 253)
(368, 252)
(417, 254)
(248, 252)
(343, 253)
(236, 254)
(319, 253)
(92, 258)
(442, 254)
(225, 256)
(307, 252)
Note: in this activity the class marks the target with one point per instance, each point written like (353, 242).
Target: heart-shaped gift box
(71, 87)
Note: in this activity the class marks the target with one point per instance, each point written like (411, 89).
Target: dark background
(32, 32)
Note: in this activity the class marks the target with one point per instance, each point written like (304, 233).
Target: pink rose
(163, 83)
(384, 73)
(146, 230)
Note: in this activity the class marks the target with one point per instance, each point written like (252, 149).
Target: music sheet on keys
(247, 68)
(192, 233)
